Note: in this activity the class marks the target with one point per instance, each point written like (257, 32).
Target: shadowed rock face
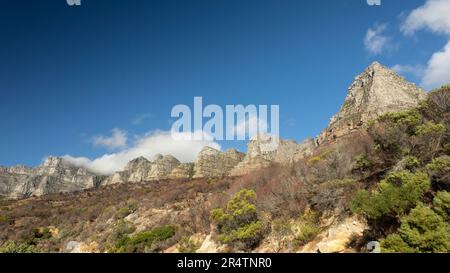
(214, 163)
(376, 91)
(53, 176)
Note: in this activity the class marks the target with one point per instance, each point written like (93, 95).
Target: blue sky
(72, 77)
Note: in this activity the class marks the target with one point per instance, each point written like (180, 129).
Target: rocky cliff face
(53, 176)
(374, 92)
(213, 163)
(264, 150)
(141, 169)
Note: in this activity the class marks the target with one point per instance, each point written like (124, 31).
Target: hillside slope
(385, 181)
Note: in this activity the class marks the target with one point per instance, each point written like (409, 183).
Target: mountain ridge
(376, 91)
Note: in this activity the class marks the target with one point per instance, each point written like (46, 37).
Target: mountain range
(376, 176)
(374, 92)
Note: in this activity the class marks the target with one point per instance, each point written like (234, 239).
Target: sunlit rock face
(376, 91)
(263, 150)
(142, 169)
(53, 176)
(214, 163)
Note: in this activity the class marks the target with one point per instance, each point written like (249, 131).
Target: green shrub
(412, 163)
(439, 170)
(440, 165)
(249, 235)
(421, 231)
(441, 204)
(395, 244)
(392, 133)
(396, 193)
(408, 118)
(144, 241)
(238, 222)
(361, 163)
(125, 211)
(121, 229)
(15, 247)
(431, 129)
(428, 138)
(447, 148)
(188, 245)
(307, 228)
(4, 218)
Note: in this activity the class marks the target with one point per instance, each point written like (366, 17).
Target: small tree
(441, 204)
(396, 193)
(428, 138)
(422, 230)
(439, 169)
(238, 222)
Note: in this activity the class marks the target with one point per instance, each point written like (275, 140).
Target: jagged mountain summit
(374, 92)
(141, 169)
(54, 175)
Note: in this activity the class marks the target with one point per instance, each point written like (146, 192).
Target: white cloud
(117, 140)
(376, 41)
(433, 16)
(437, 72)
(147, 145)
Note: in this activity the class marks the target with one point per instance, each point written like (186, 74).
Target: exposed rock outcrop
(214, 163)
(337, 237)
(376, 91)
(184, 170)
(53, 176)
(141, 169)
(264, 150)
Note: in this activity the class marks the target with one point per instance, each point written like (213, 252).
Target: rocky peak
(52, 176)
(141, 169)
(140, 162)
(52, 162)
(162, 167)
(374, 92)
(170, 159)
(157, 157)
